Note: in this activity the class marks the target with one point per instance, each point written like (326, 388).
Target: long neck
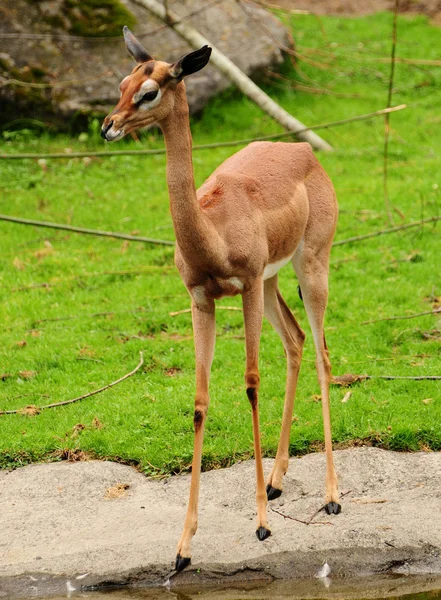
(192, 229)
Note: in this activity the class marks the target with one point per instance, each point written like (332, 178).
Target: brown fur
(265, 204)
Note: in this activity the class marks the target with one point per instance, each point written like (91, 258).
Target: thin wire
(63, 36)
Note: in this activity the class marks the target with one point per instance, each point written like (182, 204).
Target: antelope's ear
(138, 52)
(190, 63)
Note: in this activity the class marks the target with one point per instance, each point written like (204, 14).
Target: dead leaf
(29, 411)
(424, 448)
(119, 490)
(348, 379)
(27, 374)
(97, 423)
(18, 264)
(433, 334)
(172, 371)
(124, 246)
(77, 429)
(46, 251)
(86, 351)
(73, 455)
(21, 343)
(316, 398)
(4, 376)
(346, 396)
(427, 400)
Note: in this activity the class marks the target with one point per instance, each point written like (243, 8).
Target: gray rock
(109, 523)
(85, 72)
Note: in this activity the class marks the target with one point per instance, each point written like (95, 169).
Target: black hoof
(262, 533)
(181, 563)
(272, 493)
(333, 508)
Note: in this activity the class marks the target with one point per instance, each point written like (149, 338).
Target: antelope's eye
(149, 96)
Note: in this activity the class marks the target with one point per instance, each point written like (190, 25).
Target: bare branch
(188, 310)
(413, 316)
(309, 522)
(34, 410)
(366, 236)
(111, 234)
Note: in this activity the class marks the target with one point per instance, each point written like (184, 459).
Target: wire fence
(293, 53)
(242, 142)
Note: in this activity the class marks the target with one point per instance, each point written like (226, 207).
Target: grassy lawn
(55, 286)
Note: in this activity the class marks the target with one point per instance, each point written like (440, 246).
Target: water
(380, 587)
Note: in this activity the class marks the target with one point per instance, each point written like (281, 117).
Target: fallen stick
(97, 232)
(310, 522)
(188, 310)
(427, 312)
(133, 238)
(415, 378)
(34, 410)
(348, 379)
(366, 236)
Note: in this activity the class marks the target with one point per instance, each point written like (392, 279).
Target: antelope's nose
(105, 128)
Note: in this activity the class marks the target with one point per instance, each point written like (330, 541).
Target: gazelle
(266, 205)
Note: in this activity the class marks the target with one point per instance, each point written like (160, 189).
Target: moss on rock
(86, 18)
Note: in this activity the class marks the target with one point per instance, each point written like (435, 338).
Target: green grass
(147, 419)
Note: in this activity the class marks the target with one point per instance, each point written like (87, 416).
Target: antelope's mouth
(109, 133)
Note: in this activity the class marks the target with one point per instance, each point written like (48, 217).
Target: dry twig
(396, 318)
(309, 522)
(366, 236)
(111, 234)
(348, 379)
(188, 310)
(34, 410)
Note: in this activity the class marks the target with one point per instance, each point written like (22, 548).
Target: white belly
(272, 268)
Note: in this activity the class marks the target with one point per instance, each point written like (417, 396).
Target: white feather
(323, 571)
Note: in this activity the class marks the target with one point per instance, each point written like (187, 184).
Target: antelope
(268, 204)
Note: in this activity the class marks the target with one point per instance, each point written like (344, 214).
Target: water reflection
(385, 587)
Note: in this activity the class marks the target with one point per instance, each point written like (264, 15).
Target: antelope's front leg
(253, 315)
(204, 331)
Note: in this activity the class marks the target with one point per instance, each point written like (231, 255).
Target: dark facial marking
(148, 67)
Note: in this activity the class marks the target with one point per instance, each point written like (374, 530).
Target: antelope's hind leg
(204, 330)
(293, 337)
(312, 270)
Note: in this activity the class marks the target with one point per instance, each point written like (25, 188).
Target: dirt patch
(119, 490)
(57, 526)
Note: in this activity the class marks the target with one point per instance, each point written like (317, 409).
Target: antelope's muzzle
(105, 128)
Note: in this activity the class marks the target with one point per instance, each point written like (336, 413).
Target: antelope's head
(148, 93)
